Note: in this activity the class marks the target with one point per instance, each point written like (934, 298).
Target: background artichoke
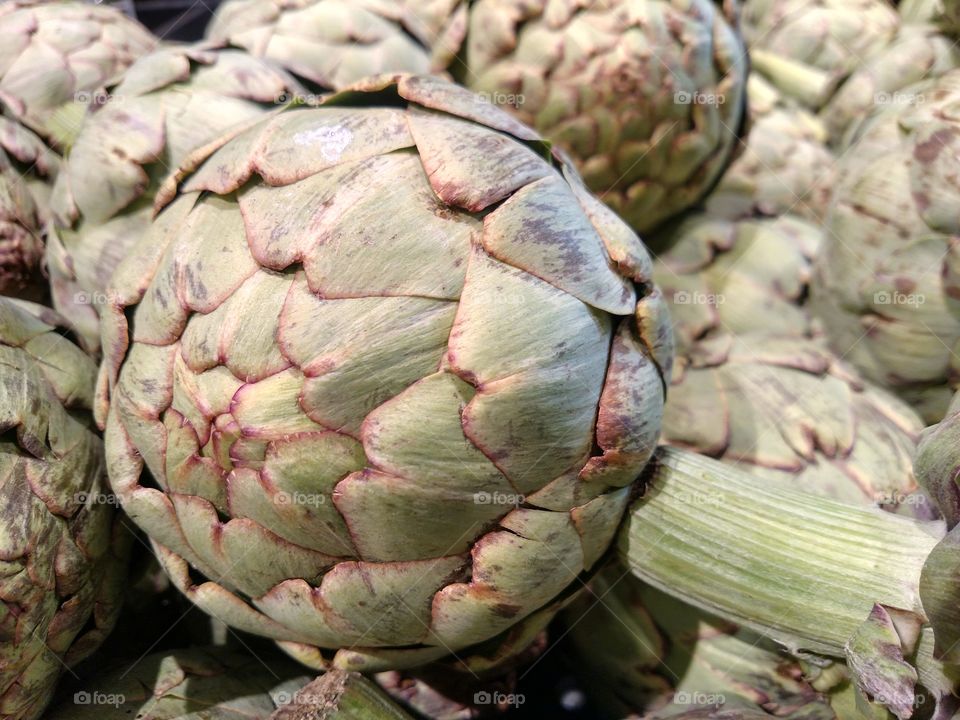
(62, 555)
(57, 55)
(807, 48)
(724, 277)
(885, 284)
(648, 96)
(27, 167)
(168, 103)
(380, 353)
(195, 684)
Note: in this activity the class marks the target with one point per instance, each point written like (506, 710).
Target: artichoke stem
(805, 83)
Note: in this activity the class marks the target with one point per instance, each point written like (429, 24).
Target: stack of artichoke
(354, 348)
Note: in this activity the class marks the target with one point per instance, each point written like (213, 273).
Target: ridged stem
(341, 695)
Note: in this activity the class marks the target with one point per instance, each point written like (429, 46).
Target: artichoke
(63, 554)
(786, 409)
(807, 48)
(724, 276)
(944, 13)
(918, 52)
(194, 684)
(26, 168)
(168, 103)
(641, 650)
(58, 55)
(648, 96)
(333, 43)
(784, 166)
(377, 361)
(886, 282)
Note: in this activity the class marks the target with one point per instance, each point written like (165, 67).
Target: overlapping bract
(646, 95)
(886, 284)
(787, 410)
(724, 276)
(168, 104)
(332, 43)
(394, 370)
(807, 48)
(62, 556)
(27, 167)
(55, 56)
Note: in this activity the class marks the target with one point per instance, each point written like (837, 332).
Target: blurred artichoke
(377, 355)
(807, 48)
(641, 650)
(194, 684)
(63, 556)
(918, 52)
(887, 282)
(945, 14)
(58, 55)
(168, 103)
(332, 43)
(27, 167)
(784, 166)
(648, 96)
(723, 276)
(786, 409)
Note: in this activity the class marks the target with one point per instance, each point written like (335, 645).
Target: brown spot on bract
(928, 151)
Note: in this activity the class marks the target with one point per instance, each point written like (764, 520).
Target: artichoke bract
(56, 56)
(723, 276)
(194, 684)
(886, 283)
(27, 166)
(784, 167)
(393, 369)
(168, 104)
(62, 553)
(917, 53)
(807, 48)
(647, 96)
(332, 43)
(786, 409)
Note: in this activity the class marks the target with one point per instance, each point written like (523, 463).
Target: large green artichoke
(27, 167)
(56, 56)
(806, 48)
(62, 556)
(784, 167)
(887, 283)
(194, 684)
(647, 95)
(394, 371)
(786, 409)
(917, 53)
(724, 276)
(332, 43)
(168, 103)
